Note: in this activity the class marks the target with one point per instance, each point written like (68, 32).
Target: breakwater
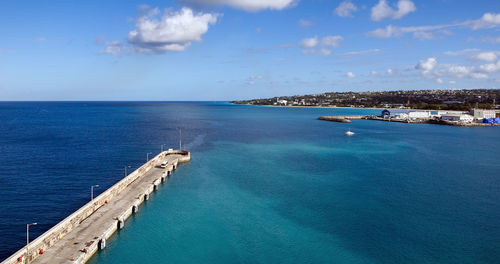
(77, 237)
(341, 119)
(347, 119)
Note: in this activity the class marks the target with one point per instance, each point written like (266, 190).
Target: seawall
(77, 237)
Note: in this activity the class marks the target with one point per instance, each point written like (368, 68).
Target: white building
(457, 117)
(282, 102)
(419, 114)
(482, 113)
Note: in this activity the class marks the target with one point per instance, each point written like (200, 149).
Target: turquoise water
(274, 185)
(265, 184)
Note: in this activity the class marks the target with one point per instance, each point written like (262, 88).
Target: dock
(79, 236)
(341, 119)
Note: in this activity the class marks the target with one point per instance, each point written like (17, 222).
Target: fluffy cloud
(345, 9)
(438, 80)
(488, 20)
(174, 31)
(486, 56)
(426, 65)
(490, 67)
(248, 5)
(351, 75)
(382, 10)
(373, 73)
(310, 45)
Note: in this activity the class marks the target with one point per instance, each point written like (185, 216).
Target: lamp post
(180, 138)
(162, 147)
(92, 191)
(126, 170)
(28, 240)
(147, 156)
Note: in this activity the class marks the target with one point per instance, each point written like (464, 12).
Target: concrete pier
(341, 119)
(76, 238)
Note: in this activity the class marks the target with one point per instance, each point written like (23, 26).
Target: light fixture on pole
(126, 170)
(92, 191)
(147, 156)
(28, 240)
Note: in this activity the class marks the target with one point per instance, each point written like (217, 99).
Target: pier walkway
(81, 236)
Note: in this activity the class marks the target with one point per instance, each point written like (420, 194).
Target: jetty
(341, 119)
(80, 235)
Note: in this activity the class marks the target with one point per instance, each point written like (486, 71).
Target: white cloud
(459, 71)
(486, 56)
(305, 23)
(248, 5)
(114, 48)
(426, 65)
(382, 10)
(490, 67)
(373, 73)
(452, 82)
(351, 75)
(477, 75)
(174, 31)
(390, 71)
(438, 80)
(310, 45)
(488, 20)
(361, 52)
(345, 9)
(332, 41)
(424, 35)
(391, 31)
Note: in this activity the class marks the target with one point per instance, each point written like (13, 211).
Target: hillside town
(460, 100)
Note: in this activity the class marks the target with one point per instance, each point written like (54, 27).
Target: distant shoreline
(341, 107)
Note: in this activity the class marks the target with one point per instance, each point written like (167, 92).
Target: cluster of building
(473, 115)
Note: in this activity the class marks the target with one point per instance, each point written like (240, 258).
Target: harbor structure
(458, 118)
(483, 113)
(80, 235)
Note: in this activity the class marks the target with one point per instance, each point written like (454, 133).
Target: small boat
(349, 133)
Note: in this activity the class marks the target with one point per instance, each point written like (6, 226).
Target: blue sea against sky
(264, 185)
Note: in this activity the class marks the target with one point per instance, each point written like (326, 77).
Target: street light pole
(28, 241)
(162, 147)
(147, 156)
(126, 170)
(92, 191)
(180, 139)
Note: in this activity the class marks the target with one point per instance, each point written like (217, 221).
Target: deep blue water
(265, 184)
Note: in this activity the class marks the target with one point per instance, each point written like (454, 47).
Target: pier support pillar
(146, 196)
(121, 223)
(155, 187)
(135, 208)
(102, 243)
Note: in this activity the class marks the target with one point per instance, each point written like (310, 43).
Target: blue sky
(239, 49)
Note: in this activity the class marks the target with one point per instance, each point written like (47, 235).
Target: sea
(264, 185)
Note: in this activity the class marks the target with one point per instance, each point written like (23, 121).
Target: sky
(215, 50)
